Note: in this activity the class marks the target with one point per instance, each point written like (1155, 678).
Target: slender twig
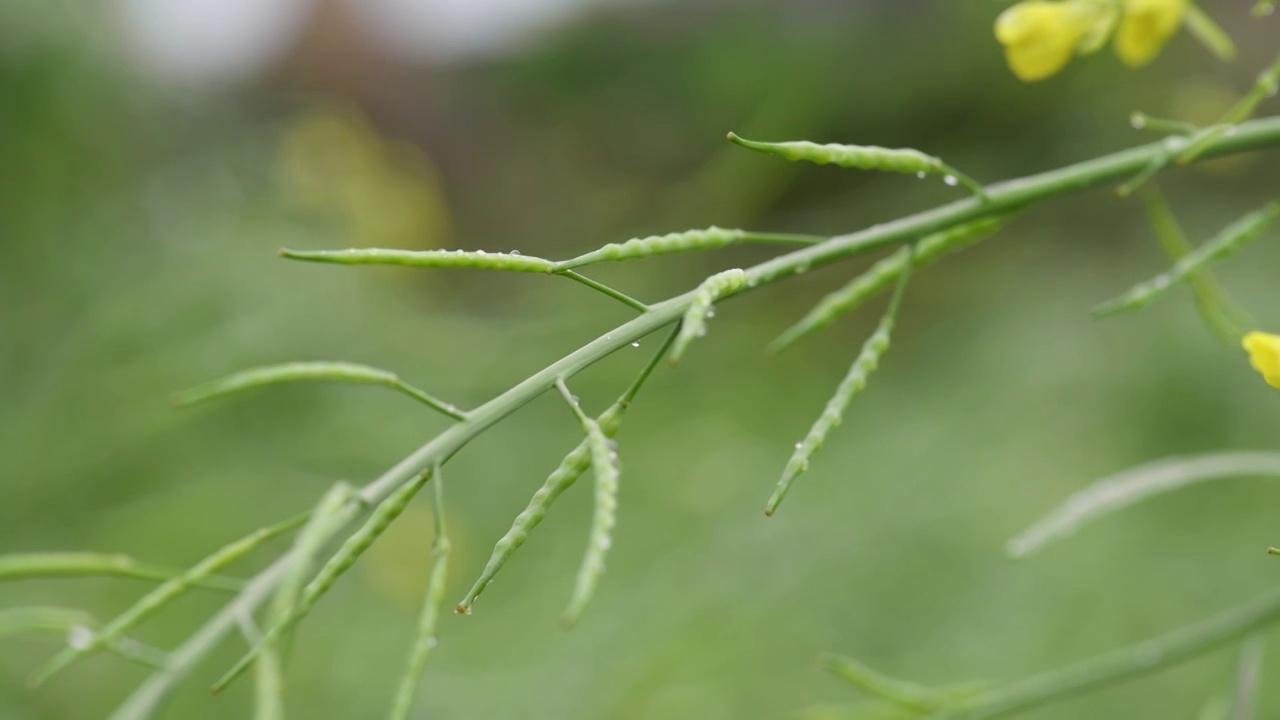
(1001, 197)
(600, 287)
(1125, 663)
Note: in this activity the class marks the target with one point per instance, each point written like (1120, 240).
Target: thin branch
(601, 287)
(147, 699)
(1126, 663)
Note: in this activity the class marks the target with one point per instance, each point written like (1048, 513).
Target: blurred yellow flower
(1145, 27)
(1040, 36)
(1264, 355)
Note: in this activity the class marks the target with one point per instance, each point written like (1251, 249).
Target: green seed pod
(694, 325)
(308, 544)
(712, 237)
(577, 462)
(854, 382)
(864, 157)
(20, 566)
(883, 274)
(604, 465)
(313, 371)
(354, 546)
(166, 593)
(1226, 242)
(430, 613)
(478, 259)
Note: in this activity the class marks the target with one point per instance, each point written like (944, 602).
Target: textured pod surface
(379, 520)
(432, 602)
(478, 259)
(694, 324)
(165, 593)
(712, 237)
(1231, 239)
(604, 465)
(862, 157)
(882, 275)
(853, 384)
(572, 467)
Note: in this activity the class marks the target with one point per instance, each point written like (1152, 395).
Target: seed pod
(162, 595)
(1229, 240)
(478, 259)
(883, 274)
(430, 613)
(694, 324)
(604, 465)
(311, 371)
(572, 467)
(341, 561)
(306, 546)
(864, 157)
(854, 382)
(84, 564)
(712, 237)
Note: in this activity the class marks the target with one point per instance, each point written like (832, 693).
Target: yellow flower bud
(1145, 27)
(1040, 36)
(1264, 355)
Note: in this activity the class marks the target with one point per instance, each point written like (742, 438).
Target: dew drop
(515, 252)
(951, 180)
(920, 174)
(479, 252)
(799, 445)
(432, 641)
(711, 312)
(1137, 121)
(635, 344)
(80, 637)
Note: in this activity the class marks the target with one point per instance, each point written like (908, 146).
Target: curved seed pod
(643, 247)
(164, 594)
(694, 324)
(572, 467)
(342, 560)
(883, 274)
(566, 474)
(1229, 240)
(478, 259)
(863, 157)
(306, 547)
(19, 566)
(604, 465)
(431, 604)
(900, 693)
(854, 382)
(1129, 487)
(311, 371)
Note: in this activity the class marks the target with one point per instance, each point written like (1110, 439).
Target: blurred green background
(154, 155)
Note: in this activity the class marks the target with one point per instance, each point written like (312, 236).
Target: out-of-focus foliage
(139, 221)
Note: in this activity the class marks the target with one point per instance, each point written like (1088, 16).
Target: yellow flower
(1040, 36)
(1145, 27)
(1264, 355)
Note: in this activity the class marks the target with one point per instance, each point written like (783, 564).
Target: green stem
(1125, 663)
(600, 287)
(1002, 197)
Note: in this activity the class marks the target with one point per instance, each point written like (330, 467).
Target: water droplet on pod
(951, 180)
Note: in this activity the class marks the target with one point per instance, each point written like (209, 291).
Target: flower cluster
(1041, 36)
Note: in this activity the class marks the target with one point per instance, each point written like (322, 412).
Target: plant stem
(626, 299)
(1125, 663)
(1001, 198)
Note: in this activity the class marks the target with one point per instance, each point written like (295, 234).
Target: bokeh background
(155, 154)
